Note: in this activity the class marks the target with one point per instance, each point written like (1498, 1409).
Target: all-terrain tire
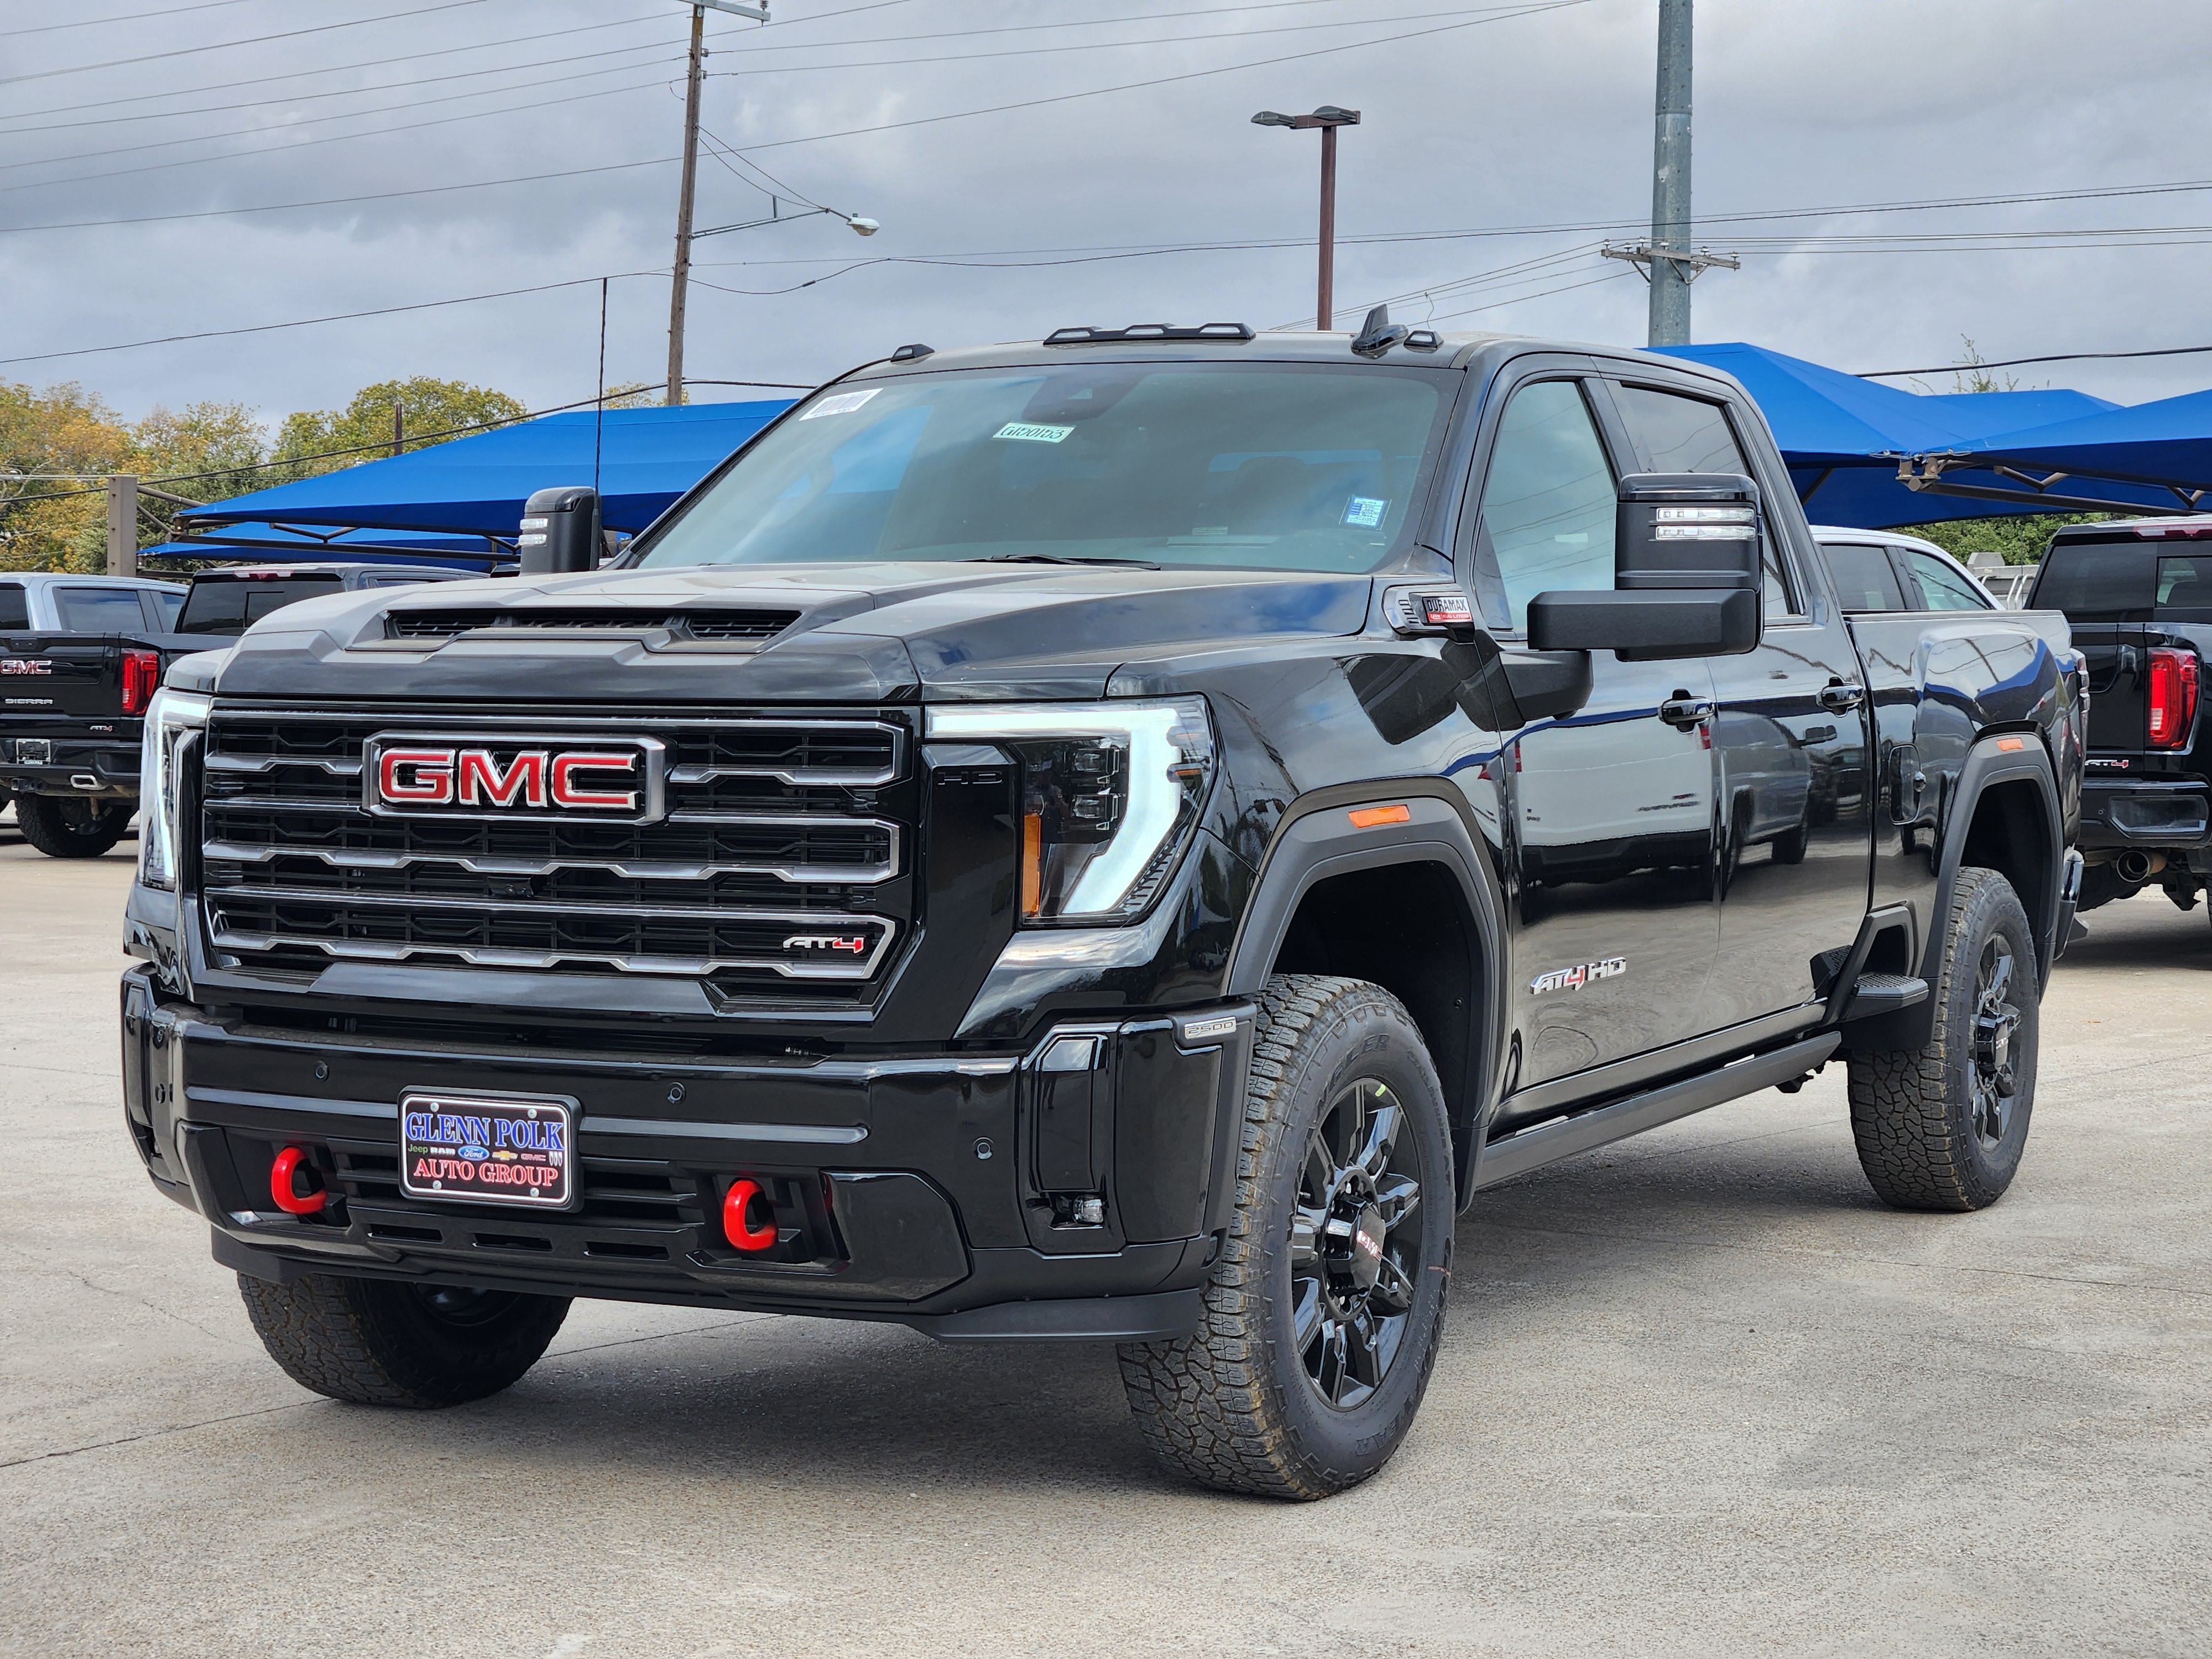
(64, 828)
(1234, 1405)
(378, 1342)
(1924, 1132)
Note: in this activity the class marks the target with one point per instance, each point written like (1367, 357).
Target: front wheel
(1942, 1128)
(381, 1342)
(1327, 1304)
(66, 827)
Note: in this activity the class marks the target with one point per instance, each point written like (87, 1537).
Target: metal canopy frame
(1924, 475)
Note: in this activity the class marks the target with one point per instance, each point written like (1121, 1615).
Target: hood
(831, 633)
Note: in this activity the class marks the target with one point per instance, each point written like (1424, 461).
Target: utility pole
(1329, 117)
(1669, 264)
(679, 290)
(398, 427)
(1670, 179)
(123, 526)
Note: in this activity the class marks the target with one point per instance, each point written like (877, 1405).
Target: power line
(127, 17)
(1170, 80)
(2016, 363)
(285, 143)
(226, 45)
(442, 52)
(341, 201)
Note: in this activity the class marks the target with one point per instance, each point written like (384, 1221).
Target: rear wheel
(1327, 1305)
(66, 827)
(379, 1342)
(1942, 1128)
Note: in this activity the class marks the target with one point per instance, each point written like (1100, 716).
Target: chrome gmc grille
(780, 866)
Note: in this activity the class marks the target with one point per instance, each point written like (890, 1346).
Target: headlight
(1110, 795)
(173, 719)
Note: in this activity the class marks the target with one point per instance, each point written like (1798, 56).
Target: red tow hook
(285, 1183)
(737, 1221)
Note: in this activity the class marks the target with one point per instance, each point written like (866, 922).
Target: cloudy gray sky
(1501, 145)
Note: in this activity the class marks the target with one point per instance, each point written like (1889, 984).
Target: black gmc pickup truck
(2138, 595)
(1118, 839)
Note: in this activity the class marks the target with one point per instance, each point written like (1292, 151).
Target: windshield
(229, 605)
(1283, 466)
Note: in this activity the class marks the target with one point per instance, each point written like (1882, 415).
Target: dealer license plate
(484, 1149)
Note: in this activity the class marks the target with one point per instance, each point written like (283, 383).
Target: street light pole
(679, 290)
(1329, 117)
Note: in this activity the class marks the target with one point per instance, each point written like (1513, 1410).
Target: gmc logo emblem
(411, 773)
(24, 665)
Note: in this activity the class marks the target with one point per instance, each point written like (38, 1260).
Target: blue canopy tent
(457, 496)
(1874, 456)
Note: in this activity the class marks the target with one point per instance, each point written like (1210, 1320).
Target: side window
(1675, 434)
(1941, 586)
(100, 610)
(1864, 581)
(15, 605)
(1548, 500)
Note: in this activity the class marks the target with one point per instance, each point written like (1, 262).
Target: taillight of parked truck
(141, 677)
(2172, 697)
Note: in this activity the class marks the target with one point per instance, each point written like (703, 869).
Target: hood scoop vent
(697, 624)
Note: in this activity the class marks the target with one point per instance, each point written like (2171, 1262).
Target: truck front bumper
(950, 1192)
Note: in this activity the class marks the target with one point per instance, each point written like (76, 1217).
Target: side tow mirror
(560, 530)
(1689, 550)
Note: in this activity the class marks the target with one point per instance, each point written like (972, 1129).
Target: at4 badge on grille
(514, 775)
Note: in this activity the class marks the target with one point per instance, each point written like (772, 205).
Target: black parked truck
(1118, 839)
(2138, 595)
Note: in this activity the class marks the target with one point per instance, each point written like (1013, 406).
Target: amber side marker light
(2008, 745)
(1373, 817)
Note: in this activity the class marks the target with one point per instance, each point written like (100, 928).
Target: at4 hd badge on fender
(1582, 973)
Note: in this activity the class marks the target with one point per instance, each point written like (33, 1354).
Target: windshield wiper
(1062, 558)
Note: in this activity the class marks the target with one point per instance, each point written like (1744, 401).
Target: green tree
(435, 410)
(61, 430)
(2020, 540)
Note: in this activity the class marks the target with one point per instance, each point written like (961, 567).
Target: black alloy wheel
(69, 826)
(1354, 1263)
(1324, 1308)
(1996, 1023)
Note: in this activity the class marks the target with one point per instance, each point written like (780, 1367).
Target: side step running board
(1884, 993)
(1547, 1142)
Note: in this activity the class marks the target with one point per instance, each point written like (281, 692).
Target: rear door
(1610, 811)
(1794, 837)
(2108, 591)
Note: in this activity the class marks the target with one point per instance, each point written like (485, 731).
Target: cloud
(1536, 120)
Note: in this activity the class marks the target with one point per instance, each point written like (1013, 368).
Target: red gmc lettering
(482, 781)
(568, 793)
(416, 774)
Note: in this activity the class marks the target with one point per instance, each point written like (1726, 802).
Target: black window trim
(1488, 585)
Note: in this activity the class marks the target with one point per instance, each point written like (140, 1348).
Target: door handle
(1684, 713)
(1841, 699)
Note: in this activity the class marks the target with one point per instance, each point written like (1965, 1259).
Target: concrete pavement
(1700, 1394)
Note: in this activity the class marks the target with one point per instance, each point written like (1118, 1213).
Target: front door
(1610, 809)
(1794, 845)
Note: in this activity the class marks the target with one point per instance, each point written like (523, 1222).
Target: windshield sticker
(844, 403)
(1364, 511)
(1026, 432)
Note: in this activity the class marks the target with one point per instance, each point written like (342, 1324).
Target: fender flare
(1317, 841)
(1999, 758)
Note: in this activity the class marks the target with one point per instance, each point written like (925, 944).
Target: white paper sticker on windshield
(1033, 434)
(1364, 511)
(842, 403)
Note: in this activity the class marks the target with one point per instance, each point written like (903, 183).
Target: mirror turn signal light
(1373, 817)
(749, 1226)
(285, 1183)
